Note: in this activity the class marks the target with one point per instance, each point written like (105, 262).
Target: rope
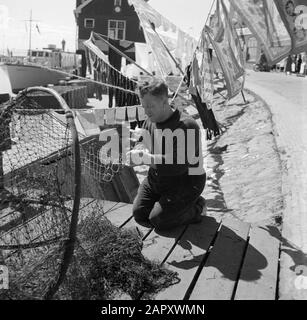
(91, 45)
(89, 80)
(124, 55)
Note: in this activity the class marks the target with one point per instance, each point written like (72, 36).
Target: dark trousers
(167, 203)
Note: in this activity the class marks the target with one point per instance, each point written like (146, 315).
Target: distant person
(247, 55)
(282, 65)
(293, 65)
(298, 64)
(288, 65)
(263, 62)
(304, 65)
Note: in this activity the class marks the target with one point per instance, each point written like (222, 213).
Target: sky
(56, 21)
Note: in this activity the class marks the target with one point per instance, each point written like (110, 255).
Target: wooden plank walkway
(215, 260)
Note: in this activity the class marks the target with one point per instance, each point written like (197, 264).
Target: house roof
(81, 6)
(84, 4)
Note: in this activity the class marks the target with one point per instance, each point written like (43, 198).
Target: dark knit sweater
(177, 121)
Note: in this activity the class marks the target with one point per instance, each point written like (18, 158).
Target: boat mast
(30, 37)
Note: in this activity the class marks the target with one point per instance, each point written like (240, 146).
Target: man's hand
(136, 136)
(138, 157)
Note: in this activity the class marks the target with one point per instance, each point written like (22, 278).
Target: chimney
(63, 44)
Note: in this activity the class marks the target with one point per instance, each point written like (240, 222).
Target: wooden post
(208, 17)
(245, 101)
(166, 48)
(177, 91)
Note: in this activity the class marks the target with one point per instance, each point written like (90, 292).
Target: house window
(117, 29)
(117, 3)
(89, 23)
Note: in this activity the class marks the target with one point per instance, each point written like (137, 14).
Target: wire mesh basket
(40, 186)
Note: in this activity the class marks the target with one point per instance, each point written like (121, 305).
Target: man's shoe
(198, 207)
(201, 204)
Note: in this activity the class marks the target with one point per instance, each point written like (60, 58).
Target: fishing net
(97, 162)
(40, 195)
(108, 263)
(54, 237)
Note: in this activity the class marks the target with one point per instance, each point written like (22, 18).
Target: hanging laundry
(88, 122)
(185, 49)
(141, 116)
(157, 28)
(228, 51)
(110, 116)
(206, 115)
(99, 117)
(131, 112)
(120, 115)
(89, 60)
(119, 86)
(201, 72)
(216, 25)
(115, 58)
(294, 16)
(263, 20)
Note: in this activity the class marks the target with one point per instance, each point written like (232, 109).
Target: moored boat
(22, 76)
(40, 68)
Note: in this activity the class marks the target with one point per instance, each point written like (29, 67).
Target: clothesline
(91, 46)
(93, 120)
(89, 80)
(177, 91)
(124, 55)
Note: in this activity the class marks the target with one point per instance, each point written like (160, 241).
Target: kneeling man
(170, 196)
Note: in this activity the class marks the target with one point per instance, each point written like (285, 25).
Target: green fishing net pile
(108, 263)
